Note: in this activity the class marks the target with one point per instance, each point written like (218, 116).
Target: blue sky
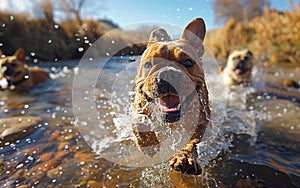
(178, 12)
(128, 12)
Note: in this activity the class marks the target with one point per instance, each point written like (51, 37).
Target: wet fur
(159, 51)
(23, 77)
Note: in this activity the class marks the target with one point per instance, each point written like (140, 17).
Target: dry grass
(232, 36)
(51, 41)
(274, 37)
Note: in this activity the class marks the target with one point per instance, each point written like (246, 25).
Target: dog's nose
(168, 81)
(9, 72)
(240, 63)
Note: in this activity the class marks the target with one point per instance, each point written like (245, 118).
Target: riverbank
(44, 40)
(273, 37)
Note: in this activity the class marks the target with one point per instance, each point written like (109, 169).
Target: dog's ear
(249, 53)
(20, 54)
(194, 33)
(158, 35)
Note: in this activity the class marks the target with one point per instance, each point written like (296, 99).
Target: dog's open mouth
(240, 71)
(170, 106)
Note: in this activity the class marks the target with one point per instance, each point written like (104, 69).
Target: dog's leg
(185, 160)
(146, 139)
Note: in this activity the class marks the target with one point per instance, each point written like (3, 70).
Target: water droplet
(86, 41)
(49, 41)
(113, 42)
(1, 44)
(35, 60)
(53, 69)
(107, 54)
(19, 166)
(177, 9)
(80, 49)
(11, 18)
(56, 26)
(32, 53)
(3, 25)
(190, 9)
(66, 147)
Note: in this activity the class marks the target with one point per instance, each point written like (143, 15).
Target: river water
(256, 143)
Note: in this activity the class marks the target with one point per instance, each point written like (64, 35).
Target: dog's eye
(147, 65)
(188, 63)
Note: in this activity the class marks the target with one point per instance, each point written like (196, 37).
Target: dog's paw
(185, 162)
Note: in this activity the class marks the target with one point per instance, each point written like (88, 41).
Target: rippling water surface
(256, 144)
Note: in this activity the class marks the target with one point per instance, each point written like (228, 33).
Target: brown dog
(170, 76)
(238, 68)
(17, 73)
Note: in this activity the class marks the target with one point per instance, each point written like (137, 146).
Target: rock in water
(14, 128)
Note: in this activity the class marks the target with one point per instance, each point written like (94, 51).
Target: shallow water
(256, 145)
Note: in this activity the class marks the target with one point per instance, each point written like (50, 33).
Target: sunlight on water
(256, 137)
(114, 114)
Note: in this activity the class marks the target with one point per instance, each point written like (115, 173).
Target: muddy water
(258, 144)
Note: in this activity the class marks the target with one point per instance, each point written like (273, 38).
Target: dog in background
(237, 70)
(169, 77)
(18, 75)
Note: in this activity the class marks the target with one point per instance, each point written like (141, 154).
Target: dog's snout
(9, 71)
(164, 80)
(240, 63)
(168, 74)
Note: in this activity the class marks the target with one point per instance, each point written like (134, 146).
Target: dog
(18, 75)
(237, 70)
(170, 76)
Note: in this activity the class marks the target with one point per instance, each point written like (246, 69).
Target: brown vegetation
(51, 41)
(241, 11)
(272, 37)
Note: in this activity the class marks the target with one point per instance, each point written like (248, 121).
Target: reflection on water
(257, 145)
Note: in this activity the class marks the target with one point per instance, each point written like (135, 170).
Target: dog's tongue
(238, 71)
(169, 103)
